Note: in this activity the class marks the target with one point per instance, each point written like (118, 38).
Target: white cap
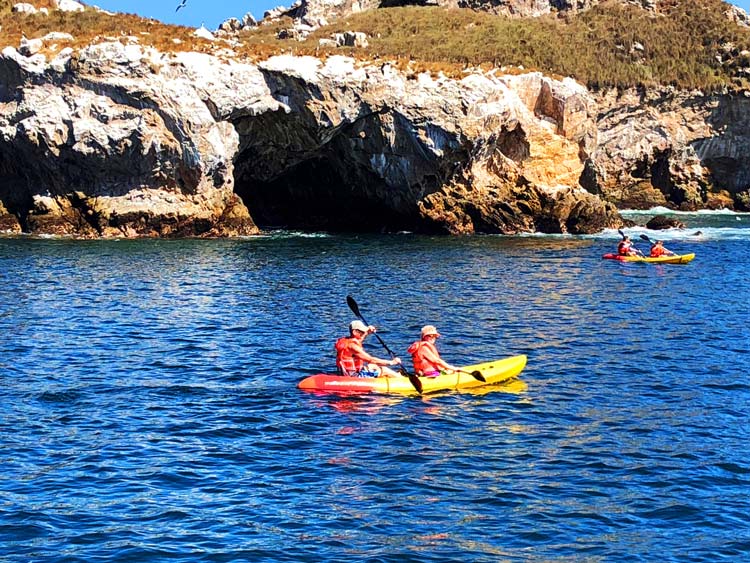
(429, 329)
(358, 325)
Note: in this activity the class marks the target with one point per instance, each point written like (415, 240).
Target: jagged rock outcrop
(118, 140)
(680, 149)
(104, 144)
(375, 148)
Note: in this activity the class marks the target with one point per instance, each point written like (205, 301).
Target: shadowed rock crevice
(315, 196)
(308, 169)
(357, 181)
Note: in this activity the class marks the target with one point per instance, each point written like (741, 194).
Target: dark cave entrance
(315, 196)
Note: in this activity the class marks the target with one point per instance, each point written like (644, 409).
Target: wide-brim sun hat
(357, 325)
(427, 330)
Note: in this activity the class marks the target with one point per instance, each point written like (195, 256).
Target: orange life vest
(346, 361)
(623, 249)
(657, 251)
(421, 364)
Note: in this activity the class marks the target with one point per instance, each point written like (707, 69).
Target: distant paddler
(658, 249)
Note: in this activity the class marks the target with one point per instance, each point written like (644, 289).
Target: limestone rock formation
(685, 150)
(118, 140)
(104, 144)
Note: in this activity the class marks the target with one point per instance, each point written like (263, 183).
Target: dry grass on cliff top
(610, 45)
(687, 43)
(90, 26)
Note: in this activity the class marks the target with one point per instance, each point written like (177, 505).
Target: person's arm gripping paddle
(413, 379)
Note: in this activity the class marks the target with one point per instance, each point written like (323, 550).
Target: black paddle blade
(414, 380)
(621, 233)
(644, 237)
(478, 376)
(353, 305)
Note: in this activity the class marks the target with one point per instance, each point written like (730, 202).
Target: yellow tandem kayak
(494, 372)
(674, 259)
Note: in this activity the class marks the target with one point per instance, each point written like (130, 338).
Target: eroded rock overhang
(372, 148)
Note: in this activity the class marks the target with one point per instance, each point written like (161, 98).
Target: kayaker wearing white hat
(352, 360)
(425, 355)
(626, 248)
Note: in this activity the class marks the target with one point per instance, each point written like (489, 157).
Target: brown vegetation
(91, 25)
(687, 43)
(612, 44)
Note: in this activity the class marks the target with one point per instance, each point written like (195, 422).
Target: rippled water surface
(149, 409)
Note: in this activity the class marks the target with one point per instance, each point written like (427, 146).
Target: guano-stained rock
(117, 140)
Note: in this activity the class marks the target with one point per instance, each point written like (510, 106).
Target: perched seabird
(182, 5)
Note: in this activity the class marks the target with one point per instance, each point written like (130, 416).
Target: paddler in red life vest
(425, 355)
(352, 360)
(626, 248)
(658, 250)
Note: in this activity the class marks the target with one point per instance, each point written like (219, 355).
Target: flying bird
(182, 5)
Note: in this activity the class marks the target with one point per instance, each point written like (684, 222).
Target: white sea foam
(665, 211)
(691, 234)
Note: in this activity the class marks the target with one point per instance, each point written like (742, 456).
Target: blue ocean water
(149, 409)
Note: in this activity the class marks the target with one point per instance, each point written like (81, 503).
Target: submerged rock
(662, 222)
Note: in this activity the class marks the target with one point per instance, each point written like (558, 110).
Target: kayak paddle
(413, 379)
(476, 373)
(633, 247)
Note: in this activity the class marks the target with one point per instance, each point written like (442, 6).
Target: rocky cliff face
(680, 149)
(105, 144)
(117, 140)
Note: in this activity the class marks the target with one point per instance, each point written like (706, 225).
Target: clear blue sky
(212, 12)
(209, 12)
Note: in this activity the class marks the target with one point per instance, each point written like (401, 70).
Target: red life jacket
(421, 364)
(346, 361)
(623, 249)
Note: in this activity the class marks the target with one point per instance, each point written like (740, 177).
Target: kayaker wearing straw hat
(352, 360)
(425, 355)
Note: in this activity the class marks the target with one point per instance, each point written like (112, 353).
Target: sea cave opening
(314, 195)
